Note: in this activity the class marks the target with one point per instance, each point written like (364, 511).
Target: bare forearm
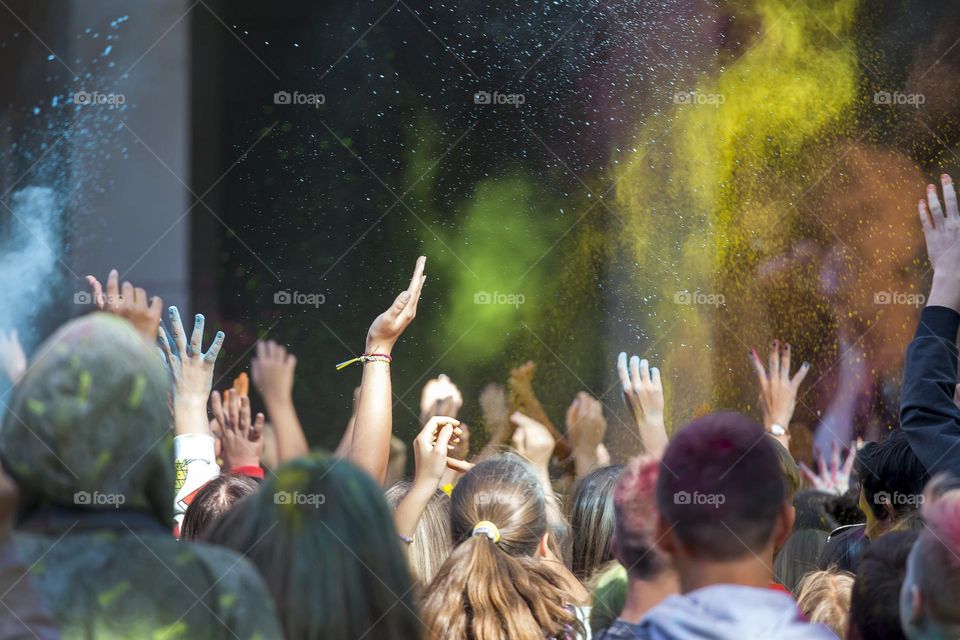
(370, 443)
(653, 435)
(291, 441)
(347, 439)
(190, 415)
(411, 508)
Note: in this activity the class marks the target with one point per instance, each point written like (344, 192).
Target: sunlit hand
(585, 424)
(440, 397)
(128, 302)
(388, 326)
(241, 438)
(273, 372)
(778, 391)
(832, 478)
(12, 358)
(432, 447)
(643, 393)
(941, 230)
(532, 440)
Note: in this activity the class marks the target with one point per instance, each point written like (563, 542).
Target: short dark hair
(212, 501)
(891, 467)
(844, 548)
(721, 486)
(874, 603)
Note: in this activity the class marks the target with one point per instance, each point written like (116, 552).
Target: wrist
(190, 399)
(424, 486)
(945, 290)
(378, 346)
(277, 399)
(237, 462)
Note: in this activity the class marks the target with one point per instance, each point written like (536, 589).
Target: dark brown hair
(214, 500)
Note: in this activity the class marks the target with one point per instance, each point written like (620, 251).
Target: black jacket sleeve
(928, 415)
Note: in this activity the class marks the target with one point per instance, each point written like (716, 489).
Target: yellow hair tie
(487, 528)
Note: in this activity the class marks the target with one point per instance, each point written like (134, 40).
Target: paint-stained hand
(192, 369)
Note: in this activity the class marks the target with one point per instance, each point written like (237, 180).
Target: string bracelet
(365, 358)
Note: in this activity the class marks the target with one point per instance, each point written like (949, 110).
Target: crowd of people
(138, 501)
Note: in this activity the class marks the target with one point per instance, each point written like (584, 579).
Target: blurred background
(684, 180)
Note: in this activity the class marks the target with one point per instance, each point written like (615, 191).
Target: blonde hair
(432, 544)
(824, 596)
(492, 586)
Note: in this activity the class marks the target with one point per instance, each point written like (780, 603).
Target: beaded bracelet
(367, 357)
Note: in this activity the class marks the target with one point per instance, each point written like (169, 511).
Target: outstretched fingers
(196, 338)
(176, 331)
(933, 201)
(949, 197)
(211, 355)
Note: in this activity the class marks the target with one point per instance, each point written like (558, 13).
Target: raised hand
(643, 393)
(273, 372)
(388, 326)
(13, 360)
(440, 397)
(432, 447)
(586, 427)
(778, 391)
(128, 302)
(430, 450)
(369, 440)
(832, 478)
(941, 230)
(532, 440)
(241, 438)
(192, 371)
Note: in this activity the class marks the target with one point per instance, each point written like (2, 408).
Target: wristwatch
(778, 429)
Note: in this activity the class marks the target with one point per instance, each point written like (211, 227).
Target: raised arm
(928, 415)
(643, 393)
(370, 445)
(273, 374)
(778, 391)
(430, 449)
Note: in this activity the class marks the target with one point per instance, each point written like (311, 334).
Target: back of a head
(934, 563)
(890, 471)
(798, 557)
(721, 487)
(592, 520)
(323, 538)
(844, 548)
(493, 586)
(432, 536)
(85, 425)
(813, 509)
(824, 596)
(874, 602)
(635, 507)
(214, 500)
